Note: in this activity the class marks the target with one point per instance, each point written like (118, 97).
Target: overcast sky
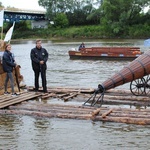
(23, 4)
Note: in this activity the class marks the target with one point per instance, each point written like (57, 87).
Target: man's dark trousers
(43, 77)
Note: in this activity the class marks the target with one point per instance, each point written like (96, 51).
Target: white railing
(25, 11)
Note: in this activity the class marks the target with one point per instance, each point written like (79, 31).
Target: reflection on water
(30, 133)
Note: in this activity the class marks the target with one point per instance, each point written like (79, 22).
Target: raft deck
(67, 103)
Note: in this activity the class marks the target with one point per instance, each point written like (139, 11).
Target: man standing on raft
(39, 57)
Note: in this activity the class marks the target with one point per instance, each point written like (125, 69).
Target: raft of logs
(122, 115)
(58, 103)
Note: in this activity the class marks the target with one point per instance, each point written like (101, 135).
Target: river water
(32, 133)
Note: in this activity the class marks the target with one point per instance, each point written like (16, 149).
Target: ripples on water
(29, 133)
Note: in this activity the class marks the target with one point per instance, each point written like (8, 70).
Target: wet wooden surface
(122, 115)
(7, 100)
(68, 103)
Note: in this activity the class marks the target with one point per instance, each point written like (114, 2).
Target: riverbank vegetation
(90, 19)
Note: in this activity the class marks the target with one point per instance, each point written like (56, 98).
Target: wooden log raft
(112, 96)
(61, 90)
(122, 115)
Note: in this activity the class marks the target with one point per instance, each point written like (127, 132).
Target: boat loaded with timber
(106, 53)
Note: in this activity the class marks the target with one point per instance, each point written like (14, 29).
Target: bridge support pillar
(39, 24)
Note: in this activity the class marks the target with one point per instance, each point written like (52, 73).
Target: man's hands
(41, 62)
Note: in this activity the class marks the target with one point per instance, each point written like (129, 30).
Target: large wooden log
(96, 112)
(59, 90)
(130, 115)
(62, 95)
(127, 120)
(48, 95)
(133, 98)
(107, 113)
(70, 96)
(53, 110)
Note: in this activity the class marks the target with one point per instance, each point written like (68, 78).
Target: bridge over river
(38, 19)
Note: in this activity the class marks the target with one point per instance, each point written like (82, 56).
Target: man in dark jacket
(39, 57)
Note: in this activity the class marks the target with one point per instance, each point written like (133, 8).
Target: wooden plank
(18, 99)
(8, 97)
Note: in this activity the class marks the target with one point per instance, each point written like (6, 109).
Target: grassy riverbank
(93, 32)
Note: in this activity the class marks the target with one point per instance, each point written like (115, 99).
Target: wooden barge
(106, 53)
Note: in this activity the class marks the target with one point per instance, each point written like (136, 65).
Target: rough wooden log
(127, 120)
(53, 110)
(130, 115)
(134, 98)
(62, 95)
(122, 91)
(70, 96)
(126, 102)
(48, 95)
(107, 113)
(49, 114)
(96, 112)
(75, 116)
(65, 89)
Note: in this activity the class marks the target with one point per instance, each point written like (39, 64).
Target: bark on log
(70, 96)
(106, 113)
(139, 121)
(123, 91)
(125, 102)
(96, 112)
(65, 89)
(48, 95)
(62, 95)
(133, 98)
(130, 115)
(53, 110)
(127, 120)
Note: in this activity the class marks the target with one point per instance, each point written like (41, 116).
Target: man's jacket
(38, 55)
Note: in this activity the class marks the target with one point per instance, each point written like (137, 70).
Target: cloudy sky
(23, 4)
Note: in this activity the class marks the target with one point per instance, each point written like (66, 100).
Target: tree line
(114, 16)
(102, 18)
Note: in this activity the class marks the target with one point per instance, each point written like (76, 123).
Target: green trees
(61, 21)
(94, 18)
(115, 18)
(77, 11)
(118, 15)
